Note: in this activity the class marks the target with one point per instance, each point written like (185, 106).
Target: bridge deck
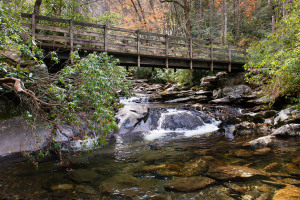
(133, 47)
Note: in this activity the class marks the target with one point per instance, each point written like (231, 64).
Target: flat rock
(262, 151)
(232, 171)
(242, 153)
(189, 184)
(290, 192)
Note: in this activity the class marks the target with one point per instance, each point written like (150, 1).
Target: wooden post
(229, 57)
(167, 50)
(105, 38)
(71, 39)
(33, 25)
(127, 68)
(174, 69)
(138, 48)
(211, 56)
(153, 69)
(191, 60)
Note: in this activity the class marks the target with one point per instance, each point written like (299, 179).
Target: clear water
(132, 168)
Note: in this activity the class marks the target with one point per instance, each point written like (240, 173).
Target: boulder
(290, 192)
(236, 91)
(288, 130)
(262, 141)
(181, 120)
(209, 79)
(287, 116)
(231, 79)
(245, 129)
(259, 117)
(188, 184)
(231, 172)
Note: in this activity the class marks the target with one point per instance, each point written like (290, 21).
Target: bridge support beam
(167, 51)
(138, 48)
(191, 73)
(229, 57)
(191, 61)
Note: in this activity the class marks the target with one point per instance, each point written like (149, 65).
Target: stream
(161, 151)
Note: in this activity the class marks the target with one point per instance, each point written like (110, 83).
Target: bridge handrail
(136, 41)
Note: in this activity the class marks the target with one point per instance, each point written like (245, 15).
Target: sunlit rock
(287, 130)
(231, 172)
(289, 115)
(290, 192)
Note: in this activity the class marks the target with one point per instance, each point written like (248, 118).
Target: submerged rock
(62, 187)
(84, 175)
(231, 172)
(290, 192)
(189, 184)
(272, 167)
(124, 185)
(194, 168)
(262, 151)
(242, 153)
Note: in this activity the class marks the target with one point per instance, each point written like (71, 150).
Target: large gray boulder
(286, 116)
(287, 130)
(236, 91)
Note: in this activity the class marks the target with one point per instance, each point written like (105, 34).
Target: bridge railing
(55, 32)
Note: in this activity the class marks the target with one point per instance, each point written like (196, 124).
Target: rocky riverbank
(256, 118)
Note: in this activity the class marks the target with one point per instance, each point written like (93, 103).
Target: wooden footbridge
(133, 47)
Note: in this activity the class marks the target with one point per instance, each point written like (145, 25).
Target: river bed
(162, 162)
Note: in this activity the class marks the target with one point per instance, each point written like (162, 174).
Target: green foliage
(83, 94)
(90, 86)
(111, 18)
(163, 75)
(276, 60)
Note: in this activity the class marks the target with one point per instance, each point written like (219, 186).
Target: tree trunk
(37, 6)
(186, 9)
(225, 21)
(238, 21)
(200, 19)
(212, 6)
